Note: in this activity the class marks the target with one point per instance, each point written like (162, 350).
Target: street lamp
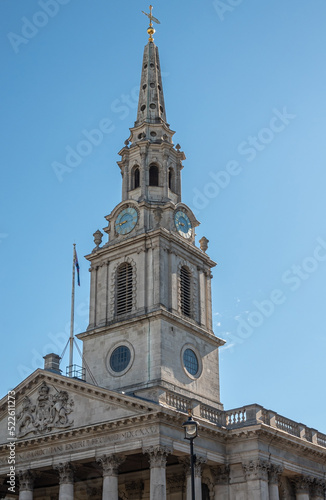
(190, 427)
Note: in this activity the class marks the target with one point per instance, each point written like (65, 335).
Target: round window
(120, 358)
(190, 361)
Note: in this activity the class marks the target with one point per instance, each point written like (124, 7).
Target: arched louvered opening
(124, 289)
(171, 179)
(185, 290)
(136, 178)
(153, 175)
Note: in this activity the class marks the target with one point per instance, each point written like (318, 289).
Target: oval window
(120, 358)
(190, 361)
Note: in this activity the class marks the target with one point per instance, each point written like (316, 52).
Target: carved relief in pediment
(48, 412)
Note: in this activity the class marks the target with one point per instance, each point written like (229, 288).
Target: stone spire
(150, 164)
(151, 124)
(151, 108)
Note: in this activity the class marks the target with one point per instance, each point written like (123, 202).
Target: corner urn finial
(98, 238)
(203, 243)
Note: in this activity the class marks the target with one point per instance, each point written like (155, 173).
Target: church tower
(150, 323)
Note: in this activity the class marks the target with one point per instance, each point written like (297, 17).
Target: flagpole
(72, 317)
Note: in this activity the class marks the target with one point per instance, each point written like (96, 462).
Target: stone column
(274, 474)
(125, 181)
(66, 481)
(110, 465)
(198, 469)
(302, 487)
(200, 461)
(26, 484)
(318, 489)
(256, 474)
(143, 173)
(221, 475)
(165, 175)
(157, 459)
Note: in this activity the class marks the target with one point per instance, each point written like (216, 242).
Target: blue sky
(244, 84)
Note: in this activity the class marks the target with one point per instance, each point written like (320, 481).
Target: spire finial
(151, 18)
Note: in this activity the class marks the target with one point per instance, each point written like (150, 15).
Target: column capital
(26, 480)
(110, 464)
(274, 473)
(157, 455)
(185, 461)
(319, 488)
(221, 474)
(302, 484)
(256, 469)
(66, 472)
(200, 461)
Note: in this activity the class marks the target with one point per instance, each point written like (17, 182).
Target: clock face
(183, 224)
(126, 220)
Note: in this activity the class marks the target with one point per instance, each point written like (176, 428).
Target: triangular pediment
(47, 403)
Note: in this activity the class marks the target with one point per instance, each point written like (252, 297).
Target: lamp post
(190, 428)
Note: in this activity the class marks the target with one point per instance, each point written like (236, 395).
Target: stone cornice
(84, 388)
(187, 325)
(171, 237)
(305, 448)
(163, 416)
(134, 429)
(152, 415)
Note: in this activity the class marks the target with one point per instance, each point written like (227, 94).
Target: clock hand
(124, 222)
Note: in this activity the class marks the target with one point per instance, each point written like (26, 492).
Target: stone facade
(151, 356)
(118, 446)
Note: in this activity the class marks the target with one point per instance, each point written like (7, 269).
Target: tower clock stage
(151, 356)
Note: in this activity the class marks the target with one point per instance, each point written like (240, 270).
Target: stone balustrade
(235, 418)
(215, 416)
(178, 402)
(249, 415)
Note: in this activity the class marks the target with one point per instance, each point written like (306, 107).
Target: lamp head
(190, 427)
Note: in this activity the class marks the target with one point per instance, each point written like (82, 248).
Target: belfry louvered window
(153, 175)
(124, 289)
(185, 291)
(136, 178)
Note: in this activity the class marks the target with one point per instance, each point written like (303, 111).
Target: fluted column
(157, 458)
(256, 474)
(110, 465)
(274, 474)
(221, 476)
(26, 485)
(318, 489)
(200, 461)
(302, 487)
(66, 481)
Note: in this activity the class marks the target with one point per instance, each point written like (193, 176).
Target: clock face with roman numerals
(126, 220)
(183, 224)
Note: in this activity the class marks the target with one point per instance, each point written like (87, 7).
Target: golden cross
(151, 17)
